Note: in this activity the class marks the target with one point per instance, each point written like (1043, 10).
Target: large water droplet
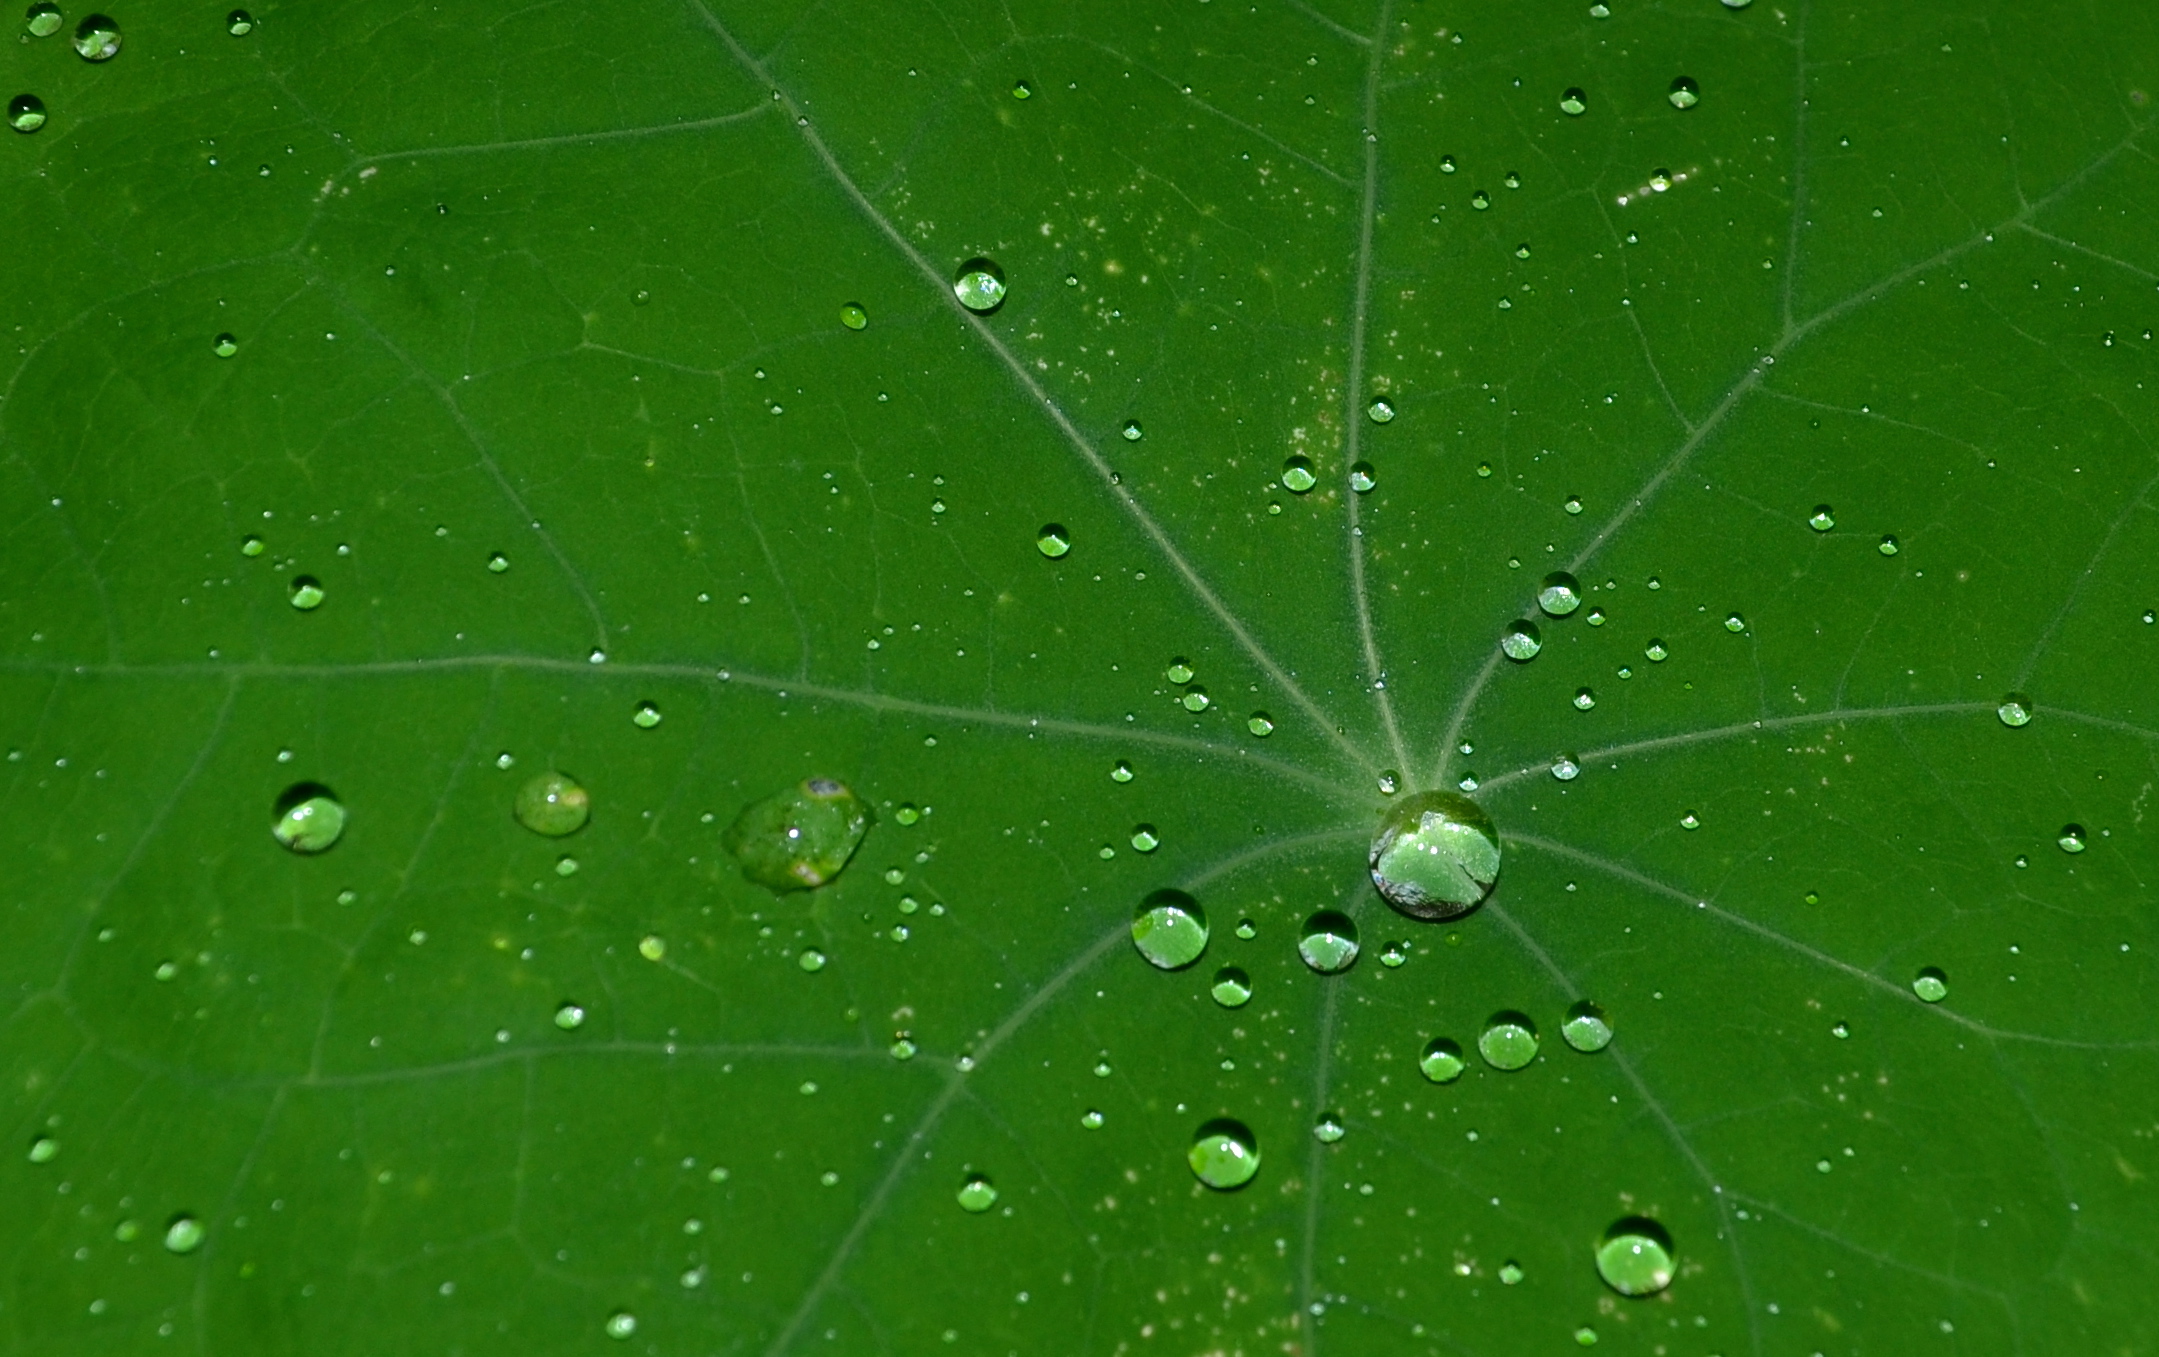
(980, 286)
(1521, 640)
(799, 838)
(1053, 541)
(26, 113)
(1224, 1154)
(307, 817)
(2015, 710)
(553, 804)
(1436, 855)
(1328, 942)
(1232, 988)
(43, 20)
(1684, 93)
(2071, 839)
(1586, 1028)
(1931, 985)
(1328, 1129)
(1297, 474)
(305, 593)
(977, 1194)
(1635, 1258)
(1170, 929)
(1442, 1061)
(1560, 594)
(97, 38)
(184, 1234)
(1508, 1042)
(1574, 103)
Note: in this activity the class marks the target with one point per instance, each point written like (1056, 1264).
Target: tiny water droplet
(2015, 710)
(977, 1194)
(1132, 431)
(251, 546)
(1224, 1154)
(1232, 988)
(1584, 699)
(1560, 594)
(1328, 1129)
(1823, 520)
(1328, 942)
(1144, 839)
(97, 38)
(1435, 856)
(1656, 651)
(307, 818)
(239, 23)
(1297, 474)
(552, 804)
(1931, 985)
(1480, 200)
(1521, 641)
(1380, 410)
(2071, 839)
(646, 716)
(43, 1150)
(854, 316)
(980, 286)
(43, 20)
(1586, 1028)
(621, 1324)
(1260, 724)
(1508, 1042)
(799, 838)
(1635, 1257)
(1194, 699)
(1734, 623)
(1574, 103)
(1442, 1061)
(1565, 768)
(1120, 771)
(1684, 93)
(1169, 928)
(1889, 544)
(305, 593)
(184, 1234)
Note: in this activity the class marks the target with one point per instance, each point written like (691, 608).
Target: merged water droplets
(1586, 1028)
(1435, 856)
(1170, 929)
(1635, 1258)
(552, 803)
(97, 38)
(1442, 1061)
(1508, 1041)
(1560, 594)
(977, 1194)
(2015, 710)
(307, 818)
(800, 838)
(1224, 1154)
(1328, 942)
(1521, 641)
(980, 286)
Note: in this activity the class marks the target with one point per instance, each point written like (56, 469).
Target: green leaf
(588, 365)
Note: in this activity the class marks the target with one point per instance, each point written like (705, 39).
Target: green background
(564, 282)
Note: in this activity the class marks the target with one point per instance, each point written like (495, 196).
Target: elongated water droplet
(1565, 768)
(1435, 856)
(1574, 103)
(2071, 839)
(239, 23)
(1931, 984)
(184, 1234)
(1260, 724)
(1684, 93)
(1297, 474)
(1380, 411)
(1560, 594)
(800, 838)
(1635, 1257)
(1521, 641)
(305, 593)
(1361, 478)
(26, 113)
(977, 1194)
(1508, 1042)
(97, 38)
(1053, 541)
(43, 20)
(2015, 710)
(552, 804)
(307, 818)
(1328, 942)
(980, 286)
(1586, 1028)
(1232, 988)
(1144, 839)
(620, 1325)
(1442, 1061)
(1328, 1129)
(1170, 929)
(1224, 1154)
(1823, 520)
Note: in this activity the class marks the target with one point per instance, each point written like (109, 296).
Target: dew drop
(1247, 930)
(1684, 93)
(1586, 1028)
(1361, 478)
(1328, 1129)
(1120, 771)
(1194, 699)
(1297, 474)
(43, 1150)
(1232, 988)
(1170, 929)
(1660, 180)
(1435, 856)
(1823, 520)
(1688, 821)
(1390, 782)
(1521, 251)
(1053, 541)
(1442, 1061)
(1328, 942)
(184, 1234)
(1585, 1336)
(2071, 839)
(621, 1324)
(1480, 200)
(569, 1016)
(1508, 1042)
(1565, 768)
(305, 593)
(2015, 710)
(854, 317)
(307, 818)
(251, 546)
(1022, 90)
(1179, 671)
(977, 1194)
(646, 716)
(239, 23)
(26, 113)
(1521, 641)
(811, 960)
(1635, 1257)
(97, 38)
(652, 947)
(1132, 431)
(980, 286)
(1394, 955)
(1260, 724)
(1889, 545)
(1560, 594)
(1381, 411)
(800, 838)
(1584, 699)
(1144, 839)
(1446, 164)
(1931, 985)
(1656, 651)
(1842, 1031)
(552, 804)
(1224, 1154)
(1510, 1272)
(908, 813)
(1091, 1119)
(903, 1046)
(1574, 103)
(43, 20)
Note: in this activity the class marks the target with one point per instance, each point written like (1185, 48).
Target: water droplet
(1132, 431)
(1394, 954)
(1144, 839)
(166, 970)
(1328, 942)
(799, 838)
(1022, 90)
(854, 317)
(2015, 710)
(811, 960)
(1260, 724)
(1232, 988)
(1380, 410)
(251, 546)
(1510, 1272)
(97, 38)
(1484, 469)
(498, 563)
(1328, 1129)
(26, 113)
(43, 1150)
(1194, 699)
(1737, 4)
(1446, 164)
(903, 1046)
(1574, 103)
(569, 1016)
(1102, 1068)
(1521, 640)
(1684, 93)
(1586, 1028)
(1179, 670)
(239, 23)
(1842, 1031)
(1660, 180)
(646, 716)
(307, 817)
(1390, 782)
(1823, 520)
(907, 813)
(1635, 1258)
(1508, 1042)
(43, 20)
(1091, 1119)
(1586, 1336)
(552, 804)
(1565, 768)
(1361, 478)
(977, 1194)
(1435, 856)
(1480, 200)
(1931, 985)
(1169, 929)
(621, 1324)
(1224, 1154)
(1120, 772)
(1595, 617)
(1442, 1061)
(1297, 474)
(305, 593)
(1584, 699)
(1468, 781)
(1656, 651)
(2071, 839)
(1688, 821)
(184, 1234)
(980, 286)
(1889, 545)
(1560, 594)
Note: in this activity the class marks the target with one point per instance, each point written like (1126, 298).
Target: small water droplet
(2071, 839)
(552, 804)
(1328, 942)
(1931, 985)
(1560, 594)
(1565, 768)
(1446, 164)
(1889, 545)
(1260, 724)
(1586, 1028)
(569, 1016)
(2015, 710)
(1521, 641)
(1484, 469)
(1381, 411)
(1102, 1068)
(566, 865)
(811, 960)
(1510, 1272)
(903, 1046)
(1120, 771)
(977, 1194)
(980, 286)
(1584, 699)
(184, 1234)
(1442, 1061)
(1508, 1042)
(1091, 1119)
(1480, 200)
(1823, 520)
(1435, 856)
(1635, 1257)
(1169, 928)
(1734, 623)
(646, 716)
(1684, 93)
(1232, 988)
(1394, 955)
(1656, 651)
(239, 23)
(1390, 782)
(251, 546)
(43, 20)
(1194, 699)
(43, 1150)
(799, 838)
(305, 593)
(1132, 431)
(1144, 839)
(1179, 671)
(621, 1324)
(1297, 474)
(1585, 1336)
(1022, 90)
(97, 38)
(1224, 1154)
(1660, 180)
(1688, 821)
(1574, 103)
(307, 818)
(854, 317)
(1328, 1129)
(1361, 478)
